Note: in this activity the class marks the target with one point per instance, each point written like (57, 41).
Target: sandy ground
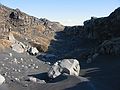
(16, 75)
(103, 73)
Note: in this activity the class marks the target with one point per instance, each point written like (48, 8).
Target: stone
(2, 79)
(54, 71)
(15, 60)
(17, 79)
(33, 51)
(33, 79)
(37, 67)
(10, 54)
(18, 48)
(41, 81)
(69, 66)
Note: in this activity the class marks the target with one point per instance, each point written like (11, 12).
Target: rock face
(2, 79)
(74, 31)
(103, 28)
(69, 66)
(27, 28)
(110, 47)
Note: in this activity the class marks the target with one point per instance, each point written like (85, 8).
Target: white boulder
(2, 79)
(69, 66)
(33, 51)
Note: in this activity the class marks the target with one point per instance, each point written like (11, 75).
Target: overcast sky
(67, 12)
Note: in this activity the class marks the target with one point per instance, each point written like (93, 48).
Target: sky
(67, 12)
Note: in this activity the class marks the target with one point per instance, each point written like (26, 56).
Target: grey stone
(69, 66)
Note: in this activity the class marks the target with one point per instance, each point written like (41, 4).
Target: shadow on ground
(67, 46)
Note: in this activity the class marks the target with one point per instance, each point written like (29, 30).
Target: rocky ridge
(31, 30)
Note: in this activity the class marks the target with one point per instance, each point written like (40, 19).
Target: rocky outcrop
(74, 31)
(110, 47)
(105, 31)
(68, 66)
(27, 28)
(103, 28)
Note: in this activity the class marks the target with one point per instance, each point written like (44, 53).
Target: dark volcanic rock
(104, 28)
(110, 47)
(74, 31)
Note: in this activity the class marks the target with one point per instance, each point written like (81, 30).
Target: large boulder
(68, 66)
(2, 79)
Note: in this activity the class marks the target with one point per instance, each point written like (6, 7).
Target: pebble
(3, 64)
(21, 59)
(5, 74)
(26, 67)
(25, 85)
(10, 54)
(15, 60)
(6, 58)
(32, 79)
(29, 65)
(19, 70)
(15, 70)
(36, 67)
(31, 60)
(23, 66)
(33, 67)
(17, 79)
